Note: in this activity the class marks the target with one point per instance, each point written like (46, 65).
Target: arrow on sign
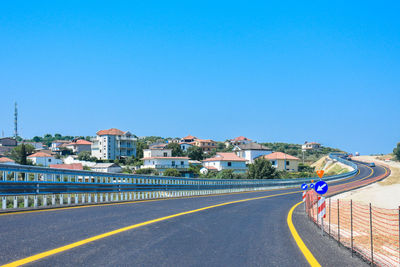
(321, 187)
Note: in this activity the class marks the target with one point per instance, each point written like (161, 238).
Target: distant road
(243, 233)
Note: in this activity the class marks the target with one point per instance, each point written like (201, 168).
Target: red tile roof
(40, 155)
(190, 137)
(279, 155)
(111, 131)
(241, 138)
(80, 142)
(228, 156)
(72, 166)
(5, 160)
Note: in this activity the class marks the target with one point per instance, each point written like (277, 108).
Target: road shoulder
(324, 249)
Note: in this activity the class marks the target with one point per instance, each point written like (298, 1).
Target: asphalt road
(252, 233)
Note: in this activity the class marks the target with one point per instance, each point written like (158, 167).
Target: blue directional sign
(311, 185)
(304, 186)
(321, 187)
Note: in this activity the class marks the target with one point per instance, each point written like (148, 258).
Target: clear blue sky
(285, 71)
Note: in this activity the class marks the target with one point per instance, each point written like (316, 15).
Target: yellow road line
(111, 233)
(303, 248)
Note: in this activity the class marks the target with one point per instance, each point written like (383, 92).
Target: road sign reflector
(320, 173)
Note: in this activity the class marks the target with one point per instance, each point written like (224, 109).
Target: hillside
(295, 150)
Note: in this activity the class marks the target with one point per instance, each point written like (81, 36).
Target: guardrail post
(25, 201)
(101, 197)
(15, 202)
(83, 198)
(351, 225)
(76, 199)
(338, 221)
(44, 200)
(329, 217)
(35, 201)
(95, 197)
(371, 233)
(89, 198)
(53, 200)
(61, 199)
(69, 198)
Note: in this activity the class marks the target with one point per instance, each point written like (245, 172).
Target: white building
(161, 159)
(251, 151)
(58, 144)
(44, 159)
(80, 145)
(223, 161)
(113, 144)
(311, 146)
(107, 167)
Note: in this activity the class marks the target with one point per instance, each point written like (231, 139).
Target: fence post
(338, 221)
(351, 225)
(371, 235)
(329, 217)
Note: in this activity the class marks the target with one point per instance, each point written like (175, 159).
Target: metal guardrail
(32, 187)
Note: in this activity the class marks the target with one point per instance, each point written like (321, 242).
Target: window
(287, 163)
(49, 160)
(273, 162)
(173, 163)
(182, 163)
(165, 154)
(229, 164)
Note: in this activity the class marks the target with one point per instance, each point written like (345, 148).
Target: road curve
(236, 230)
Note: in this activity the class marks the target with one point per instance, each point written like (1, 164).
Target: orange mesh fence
(369, 231)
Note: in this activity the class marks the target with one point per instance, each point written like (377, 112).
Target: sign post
(304, 188)
(321, 188)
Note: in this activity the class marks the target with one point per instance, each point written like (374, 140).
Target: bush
(149, 171)
(396, 151)
(172, 172)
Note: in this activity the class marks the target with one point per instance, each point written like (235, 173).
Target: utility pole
(15, 121)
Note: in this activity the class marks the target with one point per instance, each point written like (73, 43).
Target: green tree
(261, 169)
(195, 169)
(172, 172)
(195, 153)
(176, 149)
(86, 156)
(37, 139)
(396, 151)
(139, 149)
(20, 153)
(226, 174)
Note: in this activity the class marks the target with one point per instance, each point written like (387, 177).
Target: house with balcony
(283, 162)
(58, 145)
(161, 159)
(311, 146)
(188, 139)
(207, 145)
(251, 151)
(222, 161)
(113, 144)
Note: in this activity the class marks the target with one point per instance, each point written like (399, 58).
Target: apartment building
(113, 144)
